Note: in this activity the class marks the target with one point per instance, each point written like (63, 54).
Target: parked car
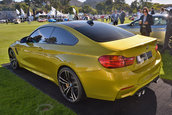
(42, 20)
(51, 20)
(158, 29)
(2, 21)
(133, 17)
(89, 58)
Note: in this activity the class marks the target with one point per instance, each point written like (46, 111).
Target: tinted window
(62, 36)
(159, 21)
(41, 35)
(99, 32)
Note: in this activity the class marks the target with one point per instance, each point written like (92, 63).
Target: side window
(41, 35)
(62, 36)
(160, 21)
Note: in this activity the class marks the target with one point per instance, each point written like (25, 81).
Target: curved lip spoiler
(128, 43)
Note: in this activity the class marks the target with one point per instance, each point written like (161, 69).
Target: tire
(13, 60)
(70, 85)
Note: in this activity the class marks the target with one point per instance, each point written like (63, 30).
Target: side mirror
(24, 40)
(29, 39)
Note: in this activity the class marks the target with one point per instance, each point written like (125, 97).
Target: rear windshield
(99, 32)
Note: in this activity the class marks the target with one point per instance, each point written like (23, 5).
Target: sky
(129, 1)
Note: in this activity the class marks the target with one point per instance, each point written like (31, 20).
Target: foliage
(7, 1)
(135, 5)
(100, 8)
(21, 5)
(88, 9)
(108, 6)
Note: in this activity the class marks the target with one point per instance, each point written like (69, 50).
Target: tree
(144, 3)
(100, 7)
(157, 6)
(21, 5)
(108, 6)
(134, 6)
(7, 1)
(119, 4)
(88, 9)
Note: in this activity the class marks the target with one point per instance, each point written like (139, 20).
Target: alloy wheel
(69, 85)
(13, 60)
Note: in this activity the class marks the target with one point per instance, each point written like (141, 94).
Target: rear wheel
(13, 60)
(70, 85)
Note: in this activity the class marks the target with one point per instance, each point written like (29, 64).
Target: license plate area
(143, 57)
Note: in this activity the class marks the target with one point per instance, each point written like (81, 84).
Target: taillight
(111, 61)
(156, 47)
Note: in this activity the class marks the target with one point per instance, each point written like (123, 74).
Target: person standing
(152, 11)
(6, 21)
(139, 14)
(107, 17)
(76, 17)
(122, 16)
(145, 22)
(168, 34)
(115, 17)
(163, 11)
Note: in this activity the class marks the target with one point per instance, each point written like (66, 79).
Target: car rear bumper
(111, 85)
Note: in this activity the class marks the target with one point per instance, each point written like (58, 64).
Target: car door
(32, 52)
(56, 50)
(159, 29)
(134, 27)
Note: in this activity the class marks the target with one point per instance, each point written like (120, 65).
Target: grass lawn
(19, 97)
(108, 21)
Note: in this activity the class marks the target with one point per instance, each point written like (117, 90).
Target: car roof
(161, 15)
(71, 23)
(155, 15)
(96, 30)
(80, 23)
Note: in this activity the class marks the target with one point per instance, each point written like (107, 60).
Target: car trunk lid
(140, 47)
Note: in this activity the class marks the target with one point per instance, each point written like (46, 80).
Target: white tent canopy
(39, 14)
(51, 13)
(17, 11)
(59, 13)
(23, 15)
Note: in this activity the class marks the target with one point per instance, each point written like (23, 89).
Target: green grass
(108, 21)
(17, 97)
(166, 71)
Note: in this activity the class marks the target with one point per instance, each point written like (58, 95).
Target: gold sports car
(89, 59)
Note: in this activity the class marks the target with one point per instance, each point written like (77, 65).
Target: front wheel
(13, 60)
(70, 85)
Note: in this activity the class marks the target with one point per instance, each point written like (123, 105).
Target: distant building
(8, 15)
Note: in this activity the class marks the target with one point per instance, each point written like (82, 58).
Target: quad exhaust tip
(156, 80)
(140, 93)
